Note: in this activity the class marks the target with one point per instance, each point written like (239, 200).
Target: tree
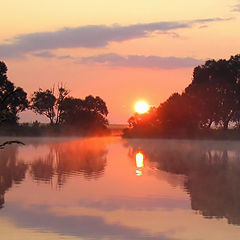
(62, 94)
(43, 102)
(96, 105)
(46, 103)
(145, 120)
(216, 88)
(178, 112)
(88, 113)
(213, 96)
(13, 100)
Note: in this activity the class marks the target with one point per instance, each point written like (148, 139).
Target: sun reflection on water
(139, 163)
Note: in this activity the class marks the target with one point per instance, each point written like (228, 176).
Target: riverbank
(44, 130)
(204, 134)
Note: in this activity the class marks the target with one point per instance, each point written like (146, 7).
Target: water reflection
(100, 200)
(11, 171)
(84, 157)
(212, 173)
(139, 163)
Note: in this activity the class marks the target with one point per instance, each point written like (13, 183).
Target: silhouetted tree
(178, 112)
(46, 103)
(88, 113)
(215, 86)
(212, 97)
(12, 100)
(148, 119)
(43, 102)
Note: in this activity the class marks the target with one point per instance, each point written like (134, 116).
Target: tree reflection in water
(84, 157)
(212, 173)
(11, 170)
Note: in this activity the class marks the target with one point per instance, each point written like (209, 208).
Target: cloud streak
(48, 54)
(91, 36)
(236, 8)
(132, 61)
(85, 227)
(140, 61)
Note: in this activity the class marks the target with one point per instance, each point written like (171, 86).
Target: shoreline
(209, 134)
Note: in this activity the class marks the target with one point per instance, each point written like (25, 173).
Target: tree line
(212, 99)
(56, 104)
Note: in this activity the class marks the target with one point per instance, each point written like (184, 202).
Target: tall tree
(213, 96)
(88, 113)
(13, 100)
(46, 103)
(43, 102)
(215, 86)
(178, 112)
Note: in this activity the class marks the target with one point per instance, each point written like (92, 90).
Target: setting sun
(141, 107)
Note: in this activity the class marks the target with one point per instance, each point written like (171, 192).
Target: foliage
(212, 97)
(46, 103)
(144, 120)
(63, 110)
(12, 100)
(88, 113)
(216, 88)
(43, 102)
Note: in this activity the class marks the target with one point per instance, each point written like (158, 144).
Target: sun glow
(141, 107)
(139, 163)
(139, 160)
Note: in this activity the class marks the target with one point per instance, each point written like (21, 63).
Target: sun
(141, 107)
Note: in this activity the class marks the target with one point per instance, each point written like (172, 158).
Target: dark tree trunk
(51, 122)
(225, 124)
(210, 123)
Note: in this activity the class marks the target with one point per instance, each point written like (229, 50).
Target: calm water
(108, 188)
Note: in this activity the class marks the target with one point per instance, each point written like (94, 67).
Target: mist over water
(109, 188)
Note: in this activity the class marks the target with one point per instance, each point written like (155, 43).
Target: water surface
(109, 188)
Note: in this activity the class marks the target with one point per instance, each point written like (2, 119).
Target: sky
(122, 51)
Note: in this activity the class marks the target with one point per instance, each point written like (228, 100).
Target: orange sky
(119, 50)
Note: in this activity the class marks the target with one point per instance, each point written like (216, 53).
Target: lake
(113, 188)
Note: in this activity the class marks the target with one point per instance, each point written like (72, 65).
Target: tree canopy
(13, 100)
(90, 112)
(213, 97)
(46, 103)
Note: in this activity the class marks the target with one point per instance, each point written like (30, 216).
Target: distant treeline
(62, 110)
(212, 100)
